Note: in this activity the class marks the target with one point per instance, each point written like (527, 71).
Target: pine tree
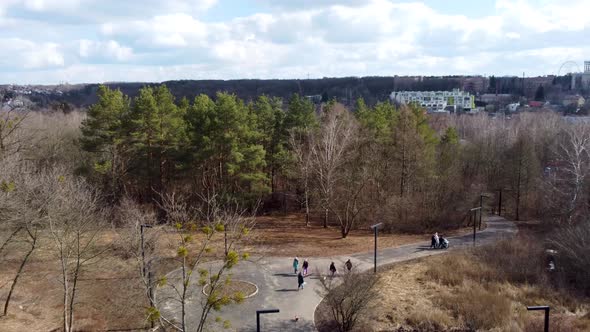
(157, 134)
(103, 134)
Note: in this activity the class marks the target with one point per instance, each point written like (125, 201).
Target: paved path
(277, 285)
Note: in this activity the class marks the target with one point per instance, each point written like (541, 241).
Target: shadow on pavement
(285, 275)
(290, 325)
(286, 290)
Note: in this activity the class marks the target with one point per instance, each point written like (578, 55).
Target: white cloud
(158, 40)
(110, 50)
(24, 54)
(51, 5)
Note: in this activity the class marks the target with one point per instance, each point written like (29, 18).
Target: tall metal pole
(473, 212)
(259, 312)
(375, 227)
(142, 252)
(375, 258)
(500, 204)
(546, 309)
(474, 225)
(481, 196)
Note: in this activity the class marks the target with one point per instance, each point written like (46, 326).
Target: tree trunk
(10, 238)
(20, 269)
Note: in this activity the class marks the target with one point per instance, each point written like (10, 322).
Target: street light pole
(544, 308)
(141, 227)
(473, 212)
(481, 196)
(260, 312)
(375, 228)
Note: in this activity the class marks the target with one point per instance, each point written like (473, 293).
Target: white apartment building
(436, 101)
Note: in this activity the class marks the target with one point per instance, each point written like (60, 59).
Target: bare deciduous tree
(234, 224)
(301, 143)
(346, 298)
(333, 139)
(75, 222)
(23, 204)
(568, 179)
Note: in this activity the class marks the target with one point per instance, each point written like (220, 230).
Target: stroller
(443, 243)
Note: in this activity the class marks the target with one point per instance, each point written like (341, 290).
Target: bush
(347, 298)
(572, 243)
(518, 260)
(479, 307)
(454, 270)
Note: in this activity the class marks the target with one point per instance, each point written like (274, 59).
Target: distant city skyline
(87, 41)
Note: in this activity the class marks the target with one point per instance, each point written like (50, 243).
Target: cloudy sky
(74, 41)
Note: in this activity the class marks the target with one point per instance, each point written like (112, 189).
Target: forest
(204, 167)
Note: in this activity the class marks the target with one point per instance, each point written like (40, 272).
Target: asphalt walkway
(277, 284)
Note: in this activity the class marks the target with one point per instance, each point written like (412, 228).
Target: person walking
(348, 265)
(296, 264)
(300, 281)
(436, 240)
(433, 242)
(332, 269)
(305, 266)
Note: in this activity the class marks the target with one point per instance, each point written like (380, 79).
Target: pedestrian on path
(296, 264)
(436, 240)
(300, 281)
(348, 265)
(332, 268)
(305, 267)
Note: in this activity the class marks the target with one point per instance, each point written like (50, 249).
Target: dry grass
(469, 291)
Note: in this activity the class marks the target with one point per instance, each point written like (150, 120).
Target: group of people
(438, 242)
(305, 268)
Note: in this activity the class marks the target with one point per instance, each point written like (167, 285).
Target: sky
(88, 41)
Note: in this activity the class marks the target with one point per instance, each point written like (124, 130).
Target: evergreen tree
(103, 133)
(540, 93)
(225, 140)
(157, 134)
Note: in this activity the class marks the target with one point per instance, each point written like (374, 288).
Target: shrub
(454, 270)
(518, 260)
(347, 300)
(572, 243)
(479, 307)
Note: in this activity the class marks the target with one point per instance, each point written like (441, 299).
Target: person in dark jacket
(305, 267)
(332, 268)
(300, 281)
(348, 265)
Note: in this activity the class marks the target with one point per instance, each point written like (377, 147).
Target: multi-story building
(436, 101)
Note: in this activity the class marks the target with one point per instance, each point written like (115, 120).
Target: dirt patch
(247, 289)
(288, 236)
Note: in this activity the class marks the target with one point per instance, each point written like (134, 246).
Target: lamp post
(260, 312)
(375, 228)
(544, 308)
(474, 214)
(481, 196)
(141, 227)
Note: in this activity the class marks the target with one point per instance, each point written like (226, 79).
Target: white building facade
(436, 101)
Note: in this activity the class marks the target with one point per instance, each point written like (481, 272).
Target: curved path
(277, 285)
